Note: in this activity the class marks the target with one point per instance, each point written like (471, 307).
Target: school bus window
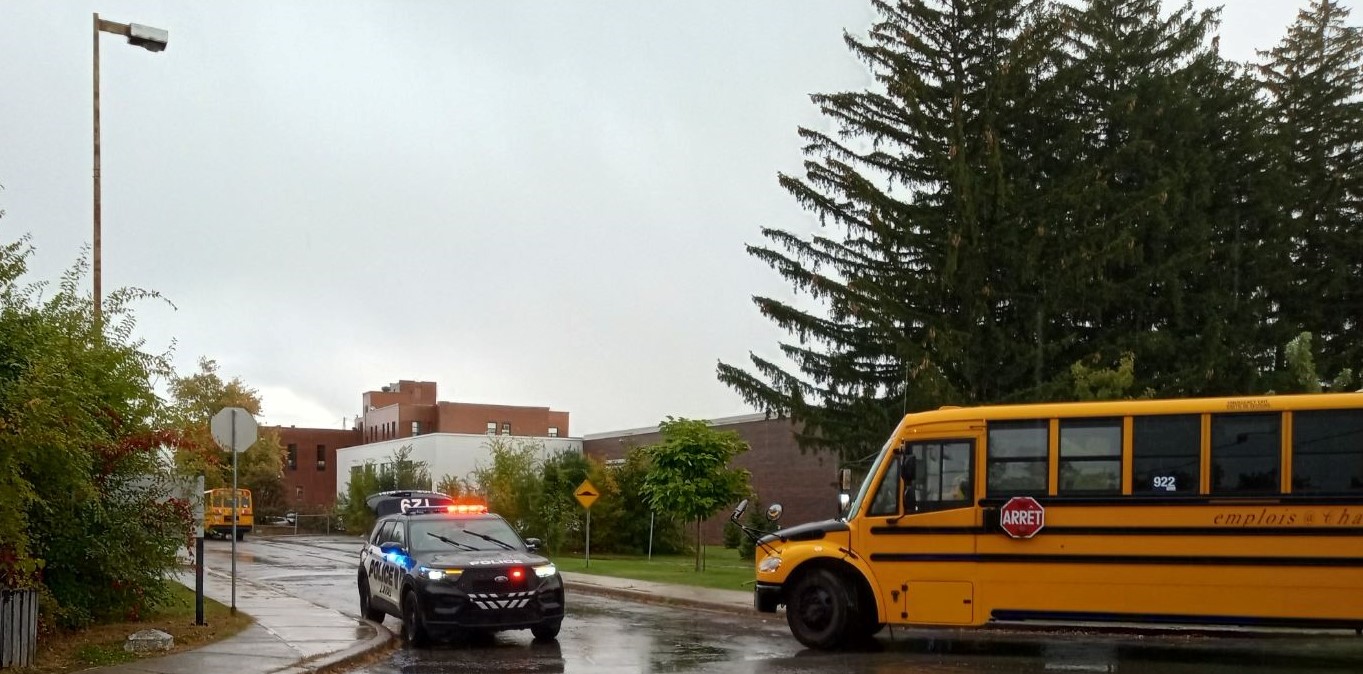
(1246, 451)
(886, 501)
(942, 476)
(1017, 457)
(1327, 451)
(1090, 456)
(1166, 454)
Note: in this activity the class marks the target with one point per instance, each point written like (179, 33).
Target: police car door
(397, 566)
(379, 575)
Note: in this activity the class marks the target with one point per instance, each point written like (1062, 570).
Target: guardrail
(18, 627)
(329, 521)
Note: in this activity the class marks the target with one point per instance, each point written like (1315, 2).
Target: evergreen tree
(917, 301)
(1313, 79)
(1148, 194)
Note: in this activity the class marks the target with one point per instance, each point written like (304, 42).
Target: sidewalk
(290, 636)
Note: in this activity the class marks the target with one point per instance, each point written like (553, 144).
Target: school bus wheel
(821, 609)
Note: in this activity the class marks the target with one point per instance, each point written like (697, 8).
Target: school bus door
(919, 530)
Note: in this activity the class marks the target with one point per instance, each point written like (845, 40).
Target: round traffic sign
(1022, 517)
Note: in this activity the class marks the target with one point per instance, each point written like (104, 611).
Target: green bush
(733, 536)
(84, 513)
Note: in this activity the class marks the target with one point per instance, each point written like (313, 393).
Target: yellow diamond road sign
(586, 494)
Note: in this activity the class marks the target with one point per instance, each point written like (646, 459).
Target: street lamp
(146, 37)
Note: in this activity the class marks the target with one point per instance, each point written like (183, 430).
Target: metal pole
(589, 538)
(97, 263)
(234, 511)
(650, 535)
(199, 580)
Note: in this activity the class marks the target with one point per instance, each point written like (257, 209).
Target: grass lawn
(723, 569)
(103, 644)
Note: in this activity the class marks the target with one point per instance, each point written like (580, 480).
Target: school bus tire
(821, 609)
(241, 535)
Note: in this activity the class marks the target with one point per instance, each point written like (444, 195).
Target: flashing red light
(517, 574)
(463, 509)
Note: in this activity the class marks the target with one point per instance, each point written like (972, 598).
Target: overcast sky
(528, 203)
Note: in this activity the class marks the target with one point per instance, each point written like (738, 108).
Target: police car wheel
(366, 609)
(413, 630)
(546, 630)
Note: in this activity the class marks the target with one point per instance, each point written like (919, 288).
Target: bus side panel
(940, 602)
(1200, 593)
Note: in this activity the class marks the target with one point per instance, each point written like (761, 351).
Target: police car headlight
(769, 564)
(440, 574)
(546, 570)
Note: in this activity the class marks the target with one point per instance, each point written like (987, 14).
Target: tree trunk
(698, 544)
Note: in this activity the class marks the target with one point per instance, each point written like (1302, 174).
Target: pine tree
(918, 307)
(1147, 198)
(1314, 78)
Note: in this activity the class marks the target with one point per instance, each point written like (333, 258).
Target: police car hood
(471, 559)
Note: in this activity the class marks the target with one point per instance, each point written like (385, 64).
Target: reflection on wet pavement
(604, 635)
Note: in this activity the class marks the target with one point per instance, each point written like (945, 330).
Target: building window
(321, 457)
(298, 494)
(1017, 457)
(1246, 453)
(416, 428)
(506, 428)
(293, 456)
(1166, 454)
(491, 428)
(1090, 456)
(553, 431)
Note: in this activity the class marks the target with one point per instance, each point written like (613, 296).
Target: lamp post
(146, 37)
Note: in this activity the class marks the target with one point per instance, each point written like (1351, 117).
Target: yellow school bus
(1245, 511)
(218, 512)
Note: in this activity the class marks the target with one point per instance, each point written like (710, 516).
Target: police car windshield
(444, 535)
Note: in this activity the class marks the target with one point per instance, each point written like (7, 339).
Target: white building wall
(443, 453)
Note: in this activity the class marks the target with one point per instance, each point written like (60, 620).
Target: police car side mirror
(533, 544)
(390, 547)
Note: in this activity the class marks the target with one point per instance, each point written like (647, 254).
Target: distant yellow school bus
(1244, 511)
(218, 512)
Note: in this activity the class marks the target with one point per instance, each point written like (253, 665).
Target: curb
(343, 658)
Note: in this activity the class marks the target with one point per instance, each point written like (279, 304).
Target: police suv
(445, 568)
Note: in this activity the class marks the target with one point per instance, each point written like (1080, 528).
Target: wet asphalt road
(608, 635)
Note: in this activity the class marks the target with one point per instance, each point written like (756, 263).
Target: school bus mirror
(844, 501)
(774, 512)
(845, 479)
(738, 510)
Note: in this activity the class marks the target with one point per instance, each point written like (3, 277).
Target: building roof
(723, 421)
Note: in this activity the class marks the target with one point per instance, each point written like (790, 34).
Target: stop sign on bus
(1022, 517)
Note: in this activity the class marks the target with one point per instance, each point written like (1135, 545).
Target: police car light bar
(457, 509)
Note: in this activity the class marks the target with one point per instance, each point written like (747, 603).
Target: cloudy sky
(529, 203)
